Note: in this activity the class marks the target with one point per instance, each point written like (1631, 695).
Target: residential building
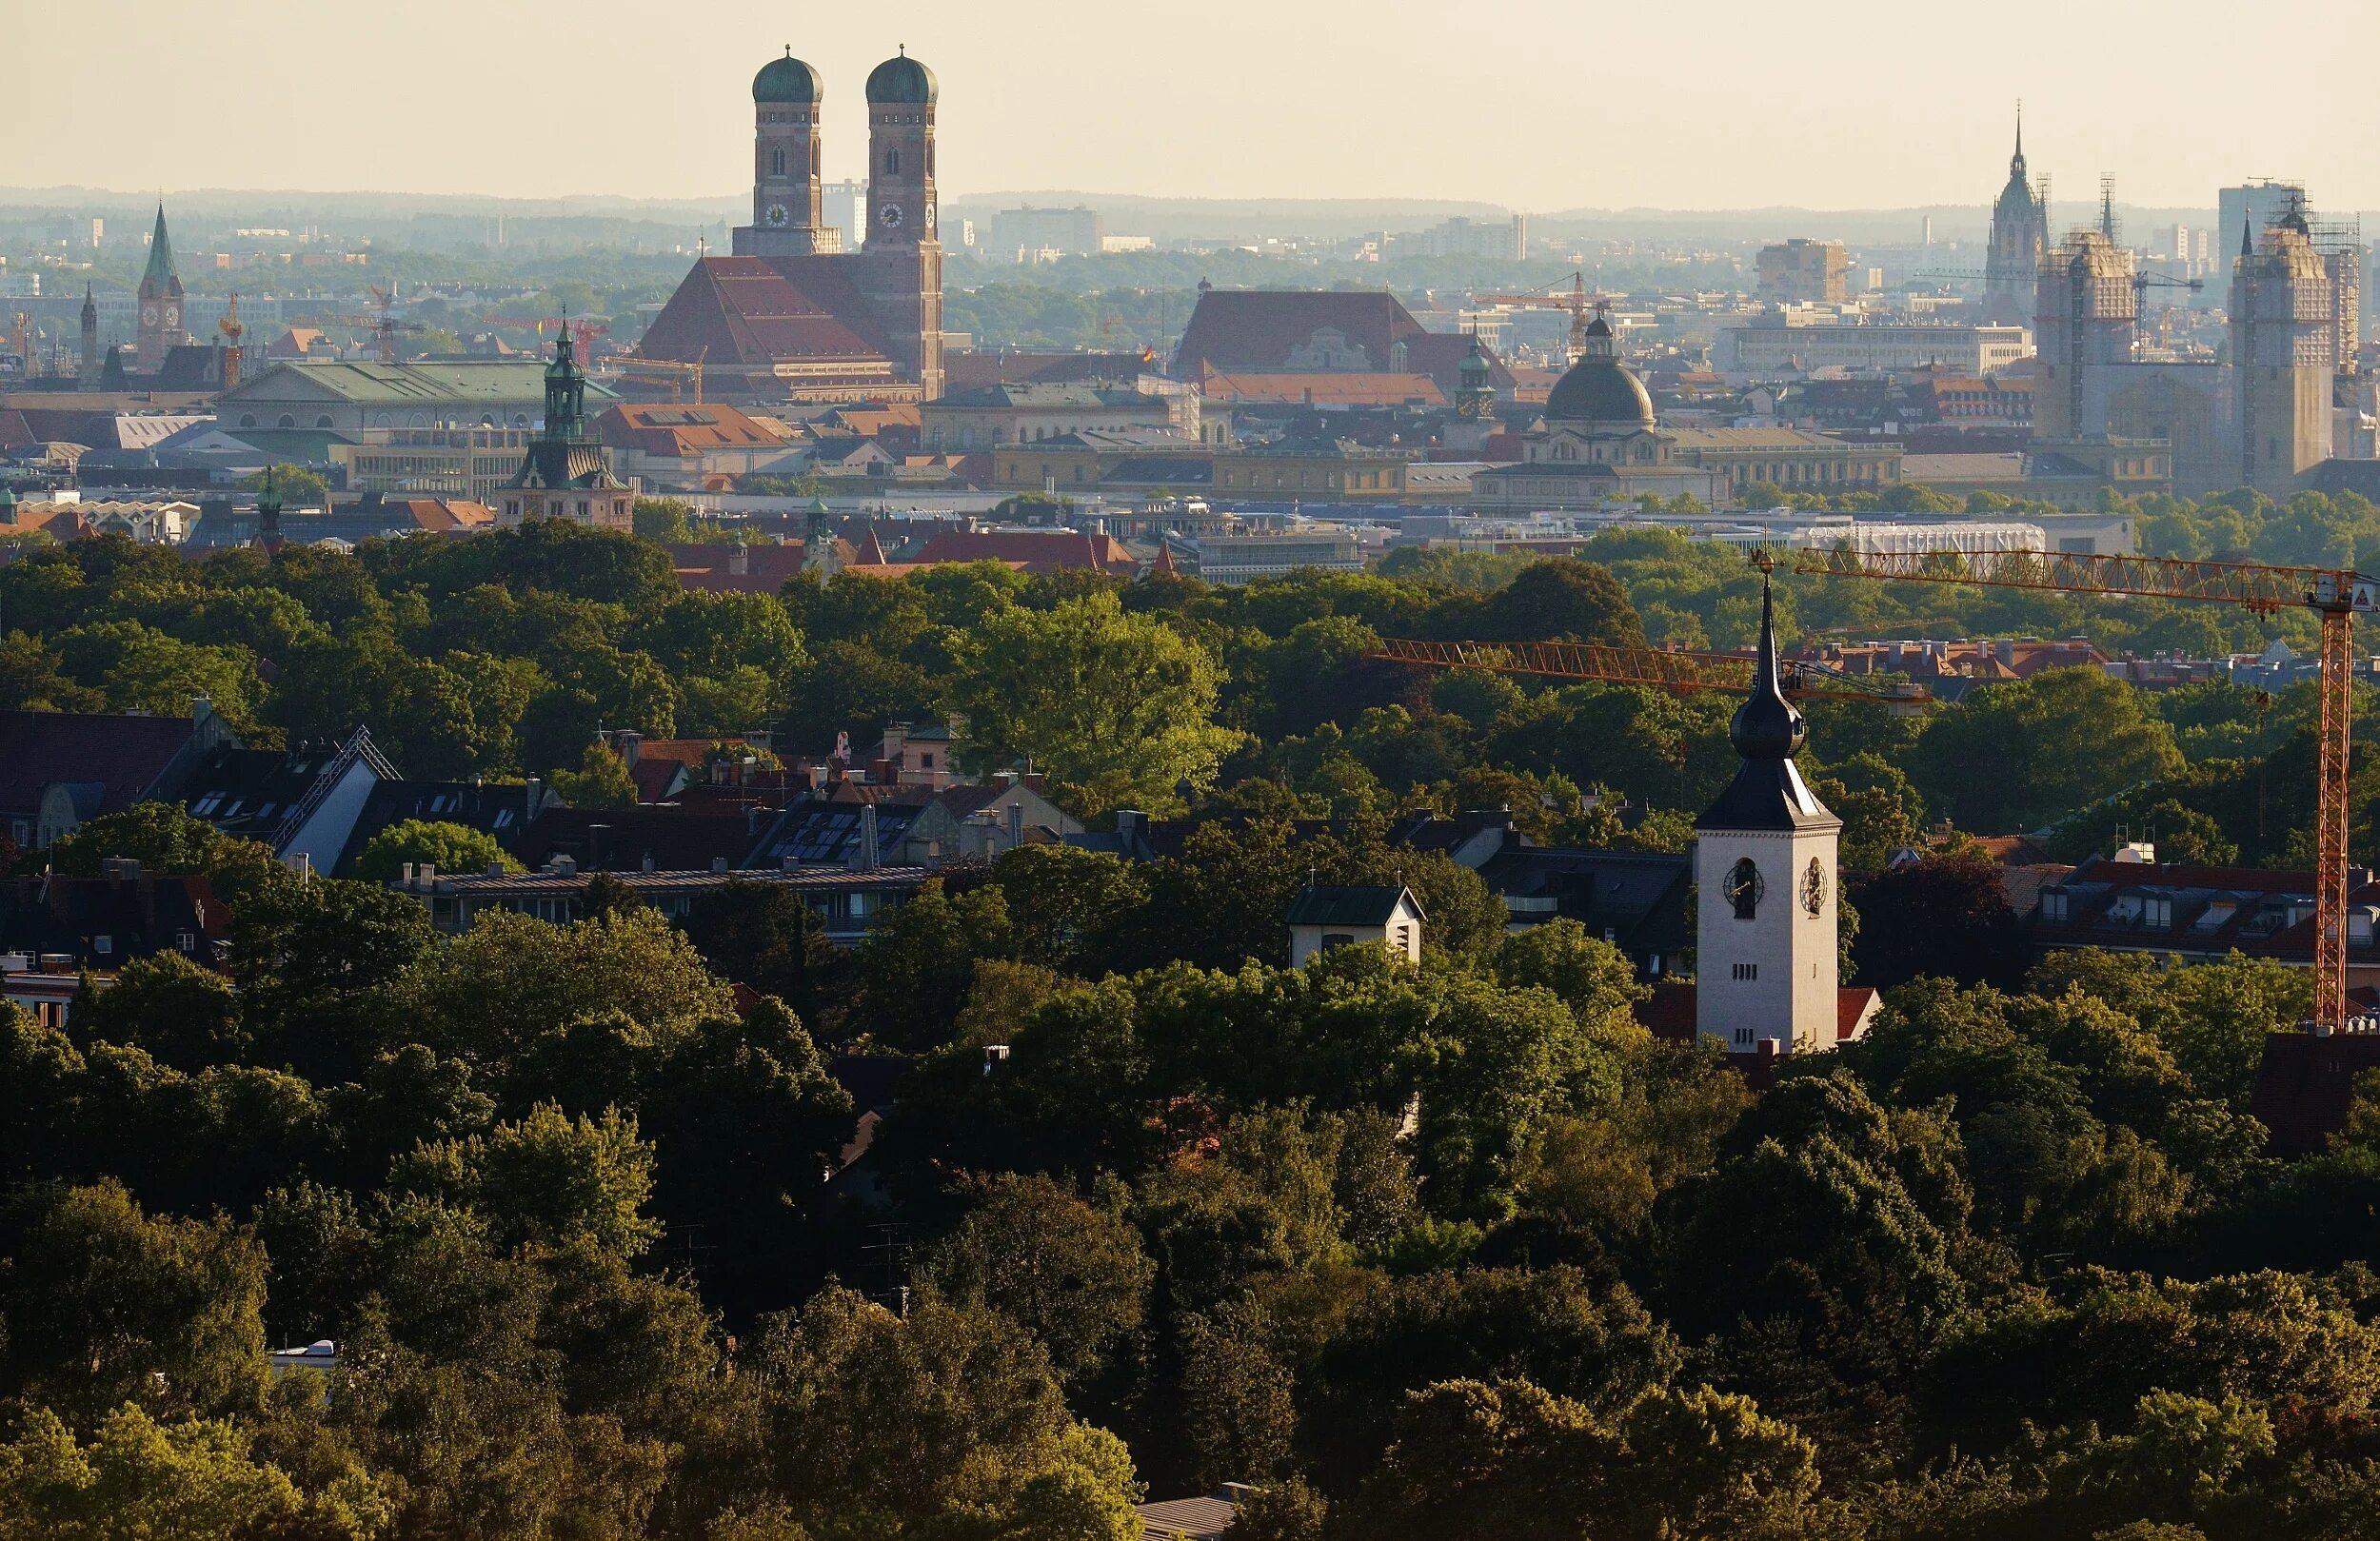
(1327, 916)
(849, 902)
(1804, 272)
(103, 922)
(59, 770)
(789, 313)
(1784, 343)
(1140, 462)
(1030, 234)
(703, 447)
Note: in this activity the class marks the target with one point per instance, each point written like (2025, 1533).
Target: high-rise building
(1024, 234)
(2020, 235)
(1805, 273)
(2256, 205)
(2282, 359)
(161, 304)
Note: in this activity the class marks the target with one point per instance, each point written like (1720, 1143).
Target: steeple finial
(1767, 726)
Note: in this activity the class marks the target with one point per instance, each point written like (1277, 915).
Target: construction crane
(1577, 302)
(2335, 595)
(1679, 673)
(580, 331)
(234, 330)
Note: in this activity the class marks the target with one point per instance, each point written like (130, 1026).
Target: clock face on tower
(148, 315)
(889, 216)
(173, 317)
(777, 214)
(1814, 887)
(1743, 888)
(930, 216)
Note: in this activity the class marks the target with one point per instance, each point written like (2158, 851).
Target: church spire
(2016, 161)
(1767, 726)
(160, 276)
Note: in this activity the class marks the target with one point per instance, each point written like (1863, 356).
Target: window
(2157, 913)
(1337, 939)
(103, 944)
(186, 941)
(2053, 904)
(323, 422)
(1743, 1034)
(777, 163)
(1746, 971)
(1743, 888)
(892, 162)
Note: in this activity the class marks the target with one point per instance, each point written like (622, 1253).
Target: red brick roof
(678, 431)
(756, 310)
(1260, 329)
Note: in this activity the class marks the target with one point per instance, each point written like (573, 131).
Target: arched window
(814, 158)
(248, 420)
(1743, 888)
(288, 422)
(892, 161)
(777, 162)
(323, 422)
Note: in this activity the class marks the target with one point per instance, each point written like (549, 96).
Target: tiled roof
(679, 431)
(364, 380)
(123, 752)
(623, 840)
(756, 310)
(137, 917)
(1264, 329)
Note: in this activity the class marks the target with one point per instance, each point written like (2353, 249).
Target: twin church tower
(791, 314)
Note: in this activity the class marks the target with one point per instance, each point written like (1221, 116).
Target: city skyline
(1253, 103)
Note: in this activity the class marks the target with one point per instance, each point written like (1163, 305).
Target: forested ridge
(1451, 1249)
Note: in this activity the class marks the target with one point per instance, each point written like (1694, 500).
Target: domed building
(788, 314)
(1600, 443)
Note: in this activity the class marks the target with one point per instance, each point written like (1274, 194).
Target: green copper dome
(1598, 388)
(785, 80)
(901, 79)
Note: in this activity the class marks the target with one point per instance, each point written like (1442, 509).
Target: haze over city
(1062, 772)
(1536, 105)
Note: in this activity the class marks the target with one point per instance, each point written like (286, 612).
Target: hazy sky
(1535, 103)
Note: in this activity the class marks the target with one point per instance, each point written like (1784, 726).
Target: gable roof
(125, 753)
(756, 310)
(679, 431)
(1337, 905)
(1264, 329)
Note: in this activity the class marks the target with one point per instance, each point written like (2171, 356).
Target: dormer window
(2053, 904)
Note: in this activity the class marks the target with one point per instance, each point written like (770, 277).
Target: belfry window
(777, 163)
(892, 161)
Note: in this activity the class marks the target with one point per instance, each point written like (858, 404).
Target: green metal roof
(159, 275)
(367, 383)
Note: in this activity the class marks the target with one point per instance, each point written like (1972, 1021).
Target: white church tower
(1765, 879)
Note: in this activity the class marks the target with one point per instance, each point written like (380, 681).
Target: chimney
(719, 864)
(739, 559)
(536, 790)
(1015, 826)
(1129, 824)
(628, 743)
(868, 837)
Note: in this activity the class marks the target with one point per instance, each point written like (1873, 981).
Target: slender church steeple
(161, 304)
(1765, 870)
(86, 377)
